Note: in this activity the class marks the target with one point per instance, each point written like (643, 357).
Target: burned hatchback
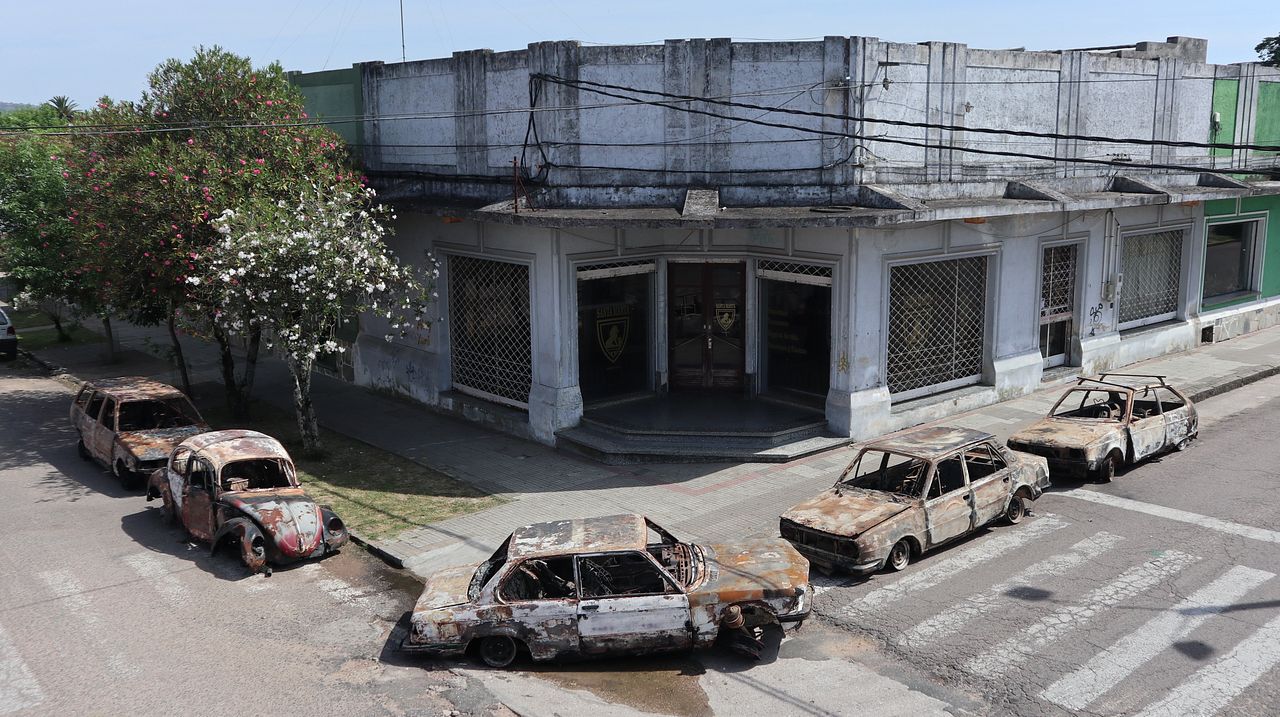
(609, 586)
(905, 495)
(130, 424)
(1103, 424)
(240, 489)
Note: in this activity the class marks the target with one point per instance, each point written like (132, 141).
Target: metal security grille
(797, 273)
(937, 322)
(606, 270)
(1152, 267)
(1058, 283)
(489, 329)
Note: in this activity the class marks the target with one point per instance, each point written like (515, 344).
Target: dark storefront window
(1228, 259)
(613, 335)
(797, 336)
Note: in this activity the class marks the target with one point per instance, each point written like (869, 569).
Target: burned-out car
(239, 489)
(607, 586)
(131, 424)
(1102, 424)
(907, 494)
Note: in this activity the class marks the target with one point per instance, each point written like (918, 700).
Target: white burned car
(606, 586)
(1102, 424)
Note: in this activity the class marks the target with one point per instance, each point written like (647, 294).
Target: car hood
(289, 518)
(446, 588)
(1064, 433)
(757, 569)
(155, 444)
(849, 512)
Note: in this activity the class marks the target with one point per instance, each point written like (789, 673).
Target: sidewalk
(703, 502)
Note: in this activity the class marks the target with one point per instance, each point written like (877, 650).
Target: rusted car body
(131, 424)
(607, 586)
(240, 488)
(905, 495)
(1102, 424)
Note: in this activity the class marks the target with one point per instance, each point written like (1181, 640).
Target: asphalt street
(105, 610)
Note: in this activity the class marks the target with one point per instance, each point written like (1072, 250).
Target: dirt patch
(664, 684)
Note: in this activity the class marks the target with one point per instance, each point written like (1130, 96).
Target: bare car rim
(498, 651)
(1017, 509)
(899, 556)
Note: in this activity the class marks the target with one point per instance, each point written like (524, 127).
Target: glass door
(706, 339)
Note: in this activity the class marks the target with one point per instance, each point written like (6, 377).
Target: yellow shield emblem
(612, 333)
(726, 316)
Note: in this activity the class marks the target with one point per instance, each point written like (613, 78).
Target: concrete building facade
(884, 232)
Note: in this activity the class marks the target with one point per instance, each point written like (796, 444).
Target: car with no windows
(130, 424)
(607, 586)
(1103, 424)
(240, 489)
(905, 495)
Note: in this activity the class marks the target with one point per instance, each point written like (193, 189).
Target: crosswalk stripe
(1108, 668)
(18, 687)
(956, 616)
(151, 569)
(1059, 623)
(1214, 686)
(935, 573)
(1182, 516)
(72, 593)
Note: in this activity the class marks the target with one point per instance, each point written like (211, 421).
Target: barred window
(1152, 267)
(490, 337)
(815, 274)
(937, 323)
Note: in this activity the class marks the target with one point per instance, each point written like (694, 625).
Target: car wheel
(1107, 471)
(128, 479)
(899, 556)
(1182, 444)
(498, 651)
(83, 450)
(1016, 511)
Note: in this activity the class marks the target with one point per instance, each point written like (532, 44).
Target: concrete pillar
(858, 401)
(555, 399)
(696, 68)
(1246, 112)
(948, 63)
(470, 99)
(1074, 71)
(1013, 298)
(559, 58)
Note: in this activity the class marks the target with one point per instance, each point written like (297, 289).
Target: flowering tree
(297, 269)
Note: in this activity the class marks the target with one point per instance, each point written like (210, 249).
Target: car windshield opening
(156, 413)
(540, 579)
(257, 474)
(1092, 403)
(885, 471)
(487, 569)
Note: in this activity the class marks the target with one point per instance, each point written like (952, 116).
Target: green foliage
(27, 117)
(64, 106)
(1269, 51)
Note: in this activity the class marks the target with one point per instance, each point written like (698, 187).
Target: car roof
(133, 388)
(582, 535)
(930, 443)
(237, 444)
(1129, 381)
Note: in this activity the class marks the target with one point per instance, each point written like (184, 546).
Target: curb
(53, 369)
(377, 551)
(1234, 383)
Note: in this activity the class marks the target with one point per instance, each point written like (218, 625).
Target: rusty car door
(104, 434)
(87, 420)
(989, 478)
(1146, 425)
(197, 498)
(1178, 425)
(627, 605)
(948, 510)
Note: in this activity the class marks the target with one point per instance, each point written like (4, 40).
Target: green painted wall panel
(1266, 130)
(1271, 259)
(335, 94)
(1218, 207)
(1225, 94)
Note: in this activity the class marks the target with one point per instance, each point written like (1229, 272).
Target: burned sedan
(905, 495)
(1102, 424)
(609, 586)
(240, 488)
(130, 424)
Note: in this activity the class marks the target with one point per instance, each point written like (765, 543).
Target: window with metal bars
(815, 274)
(1058, 283)
(1152, 268)
(490, 337)
(937, 324)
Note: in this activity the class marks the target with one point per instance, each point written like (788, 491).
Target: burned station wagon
(605, 586)
(130, 424)
(239, 488)
(905, 495)
(1102, 424)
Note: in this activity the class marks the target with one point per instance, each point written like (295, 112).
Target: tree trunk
(308, 426)
(236, 403)
(177, 352)
(63, 336)
(250, 365)
(111, 339)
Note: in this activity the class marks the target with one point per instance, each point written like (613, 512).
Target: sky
(88, 48)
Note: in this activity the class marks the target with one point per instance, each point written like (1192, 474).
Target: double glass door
(707, 337)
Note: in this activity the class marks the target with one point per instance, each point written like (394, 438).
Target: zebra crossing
(1080, 593)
